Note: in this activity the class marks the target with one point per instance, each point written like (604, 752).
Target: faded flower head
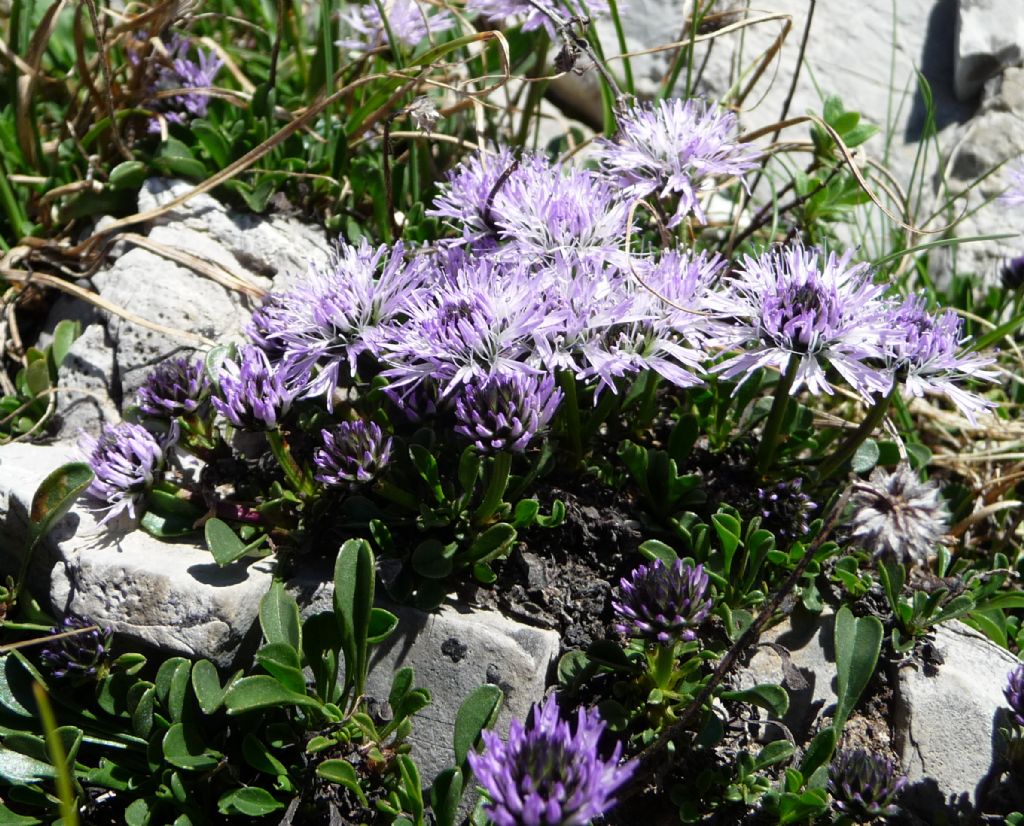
(126, 460)
(662, 603)
(924, 352)
(896, 515)
(252, 393)
(409, 21)
(352, 454)
(179, 71)
(548, 773)
(675, 148)
(790, 302)
(514, 11)
(1012, 273)
(785, 508)
(864, 786)
(506, 411)
(1014, 194)
(1014, 692)
(81, 657)
(174, 388)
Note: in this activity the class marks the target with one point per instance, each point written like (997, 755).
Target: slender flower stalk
(773, 425)
(548, 773)
(846, 450)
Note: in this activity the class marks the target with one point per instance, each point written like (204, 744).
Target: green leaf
(224, 543)
(354, 574)
(168, 516)
(656, 549)
(17, 768)
(207, 687)
(9, 818)
(445, 795)
(773, 698)
(477, 712)
(127, 175)
(610, 654)
(492, 543)
(142, 704)
(774, 753)
(382, 625)
(37, 377)
(344, 774)
(433, 559)
(250, 800)
(211, 139)
(279, 617)
(258, 756)
(858, 641)
(525, 512)
(469, 469)
(866, 456)
(54, 498)
(185, 749)
(282, 662)
(426, 465)
(727, 527)
(260, 691)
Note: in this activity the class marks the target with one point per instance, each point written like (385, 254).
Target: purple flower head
(863, 785)
(181, 72)
(548, 773)
(353, 453)
(675, 148)
(477, 321)
(514, 11)
(506, 411)
(1014, 692)
(409, 21)
(338, 312)
(78, 658)
(1012, 273)
(252, 393)
(266, 324)
(126, 460)
(922, 352)
(785, 508)
(174, 388)
(662, 603)
(1014, 195)
(788, 302)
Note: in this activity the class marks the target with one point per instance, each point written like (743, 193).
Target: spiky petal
(896, 515)
(252, 393)
(507, 411)
(174, 388)
(549, 773)
(1014, 692)
(79, 657)
(353, 453)
(663, 603)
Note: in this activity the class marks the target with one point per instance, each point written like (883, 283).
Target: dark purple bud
(352, 454)
(506, 411)
(1014, 692)
(81, 657)
(863, 785)
(661, 603)
(175, 388)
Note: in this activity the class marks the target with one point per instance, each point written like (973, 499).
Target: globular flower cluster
(549, 772)
(506, 412)
(352, 454)
(864, 786)
(785, 508)
(78, 657)
(176, 387)
(673, 149)
(531, 15)
(251, 392)
(409, 22)
(126, 461)
(1014, 692)
(179, 71)
(663, 603)
(898, 516)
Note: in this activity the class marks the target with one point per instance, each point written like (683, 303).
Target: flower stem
(298, 479)
(571, 407)
(496, 486)
(875, 415)
(773, 427)
(664, 664)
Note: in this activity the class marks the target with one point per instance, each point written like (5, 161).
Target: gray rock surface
(108, 363)
(989, 38)
(452, 652)
(172, 596)
(946, 722)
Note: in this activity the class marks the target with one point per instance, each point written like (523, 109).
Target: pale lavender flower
(176, 387)
(790, 303)
(126, 461)
(1014, 692)
(896, 515)
(267, 322)
(476, 322)
(662, 603)
(182, 72)
(864, 786)
(353, 453)
(341, 310)
(251, 393)
(1014, 194)
(675, 148)
(78, 658)
(549, 773)
(506, 411)
(514, 11)
(410, 22)
(924, 353)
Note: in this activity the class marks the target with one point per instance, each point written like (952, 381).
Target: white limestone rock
(167, 595)
(989, 38)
